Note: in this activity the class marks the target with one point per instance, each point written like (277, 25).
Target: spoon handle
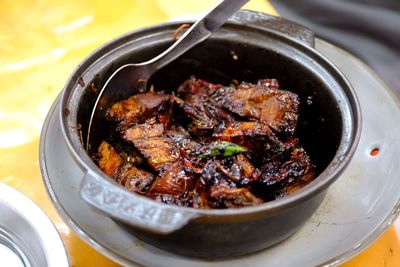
(197, 33)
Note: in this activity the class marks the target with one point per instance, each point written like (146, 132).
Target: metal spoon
(132, 73)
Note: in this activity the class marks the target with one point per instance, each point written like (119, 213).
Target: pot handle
(137, 211)
(283, 26)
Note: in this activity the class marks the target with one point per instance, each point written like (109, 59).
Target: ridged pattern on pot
(100, 193)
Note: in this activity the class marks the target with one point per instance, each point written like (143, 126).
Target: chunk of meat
(173, 181)
(246, 169)
(126, 111)
(158, 151)
(295, 171)
(242, 130)
(201, 120)
(264, 102)
(195, 198)
(148, 138)
(238, 169)
(194, 86)
(152, 100)
(220, 182)
(109, 161)
(198, 107)
(183, 141)
(146, 130)
(198, 198)
(305, 179)
(204, 115)
(134, 179)
(211, 174)
(137, 109)
(222, 194)
(126, 174)
(254, 136)
(192, 199)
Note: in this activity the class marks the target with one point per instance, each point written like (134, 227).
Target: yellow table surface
(41, 42)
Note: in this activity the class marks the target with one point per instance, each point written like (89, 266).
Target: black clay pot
(329, 129)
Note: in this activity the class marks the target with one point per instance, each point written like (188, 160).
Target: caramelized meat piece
(211, 174)
(204, 115)
(137, 108)
(109, 161)
(134, 179)
(305, 179)
(176, 186)
(220, 183)
(146, 130)
(151, 100)
(235, 197)
(173, 181)
(177, 200)
(202, 121)
(238, 169)
(222, 194)
(191, 199)
(242, 130)
(263, 102)
(158, 151)
(126, 111)
(187, 149)
(183, 141)
(149, 140)
(198, 198)
(252, 135)
(295, 171)
(194, 86)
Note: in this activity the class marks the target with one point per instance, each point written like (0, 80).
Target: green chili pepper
(222, 148)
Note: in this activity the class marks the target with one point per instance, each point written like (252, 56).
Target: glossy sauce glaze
(207, 145)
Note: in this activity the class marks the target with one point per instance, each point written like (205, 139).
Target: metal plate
(27, 236)
(358, 208)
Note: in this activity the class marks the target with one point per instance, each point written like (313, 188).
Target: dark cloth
(370, 29)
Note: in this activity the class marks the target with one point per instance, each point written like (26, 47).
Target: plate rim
(52, 244)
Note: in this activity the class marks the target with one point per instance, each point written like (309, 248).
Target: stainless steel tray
(358, 207)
